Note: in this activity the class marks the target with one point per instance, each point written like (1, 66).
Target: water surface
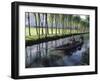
(45, 54)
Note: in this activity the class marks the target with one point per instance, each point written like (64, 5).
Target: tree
(65, 24)
(62, 22)
(41, 22)
(51, 22)
(59, 23)
(70, 22)
(29, 23)
(83, 25)
(87, 23)
(35, 14)
(56, 22)
(77, 20)
(38, 14)
(52, 16)
(46, 25)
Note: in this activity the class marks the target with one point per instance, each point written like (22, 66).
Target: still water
(45, 54)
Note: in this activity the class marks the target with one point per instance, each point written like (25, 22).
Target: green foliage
(34, 35)
(55, 24)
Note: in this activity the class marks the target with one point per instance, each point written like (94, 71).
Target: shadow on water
(58, 53)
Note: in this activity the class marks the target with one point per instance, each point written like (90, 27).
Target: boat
(70, 47)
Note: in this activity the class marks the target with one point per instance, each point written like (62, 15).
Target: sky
(83, 16)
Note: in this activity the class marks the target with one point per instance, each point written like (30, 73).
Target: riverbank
(46, 39)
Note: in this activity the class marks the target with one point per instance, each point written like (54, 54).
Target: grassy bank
(34, 35)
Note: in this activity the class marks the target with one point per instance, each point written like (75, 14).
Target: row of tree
(54, 24)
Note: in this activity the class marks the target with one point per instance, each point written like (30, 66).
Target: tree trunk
(56, 24)
(36, 23)
(52, 24)
(29, 24)
(42, 24)
(39, 24)
(46, 27)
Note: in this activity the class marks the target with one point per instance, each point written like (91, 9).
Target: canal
(46, 55)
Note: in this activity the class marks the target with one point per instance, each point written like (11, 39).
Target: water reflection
(45, 54)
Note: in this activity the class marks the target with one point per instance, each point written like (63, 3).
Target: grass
(34, 35)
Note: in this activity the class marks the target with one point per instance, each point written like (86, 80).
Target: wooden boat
(70, 47)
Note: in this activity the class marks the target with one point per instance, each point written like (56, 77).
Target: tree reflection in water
(45, 55)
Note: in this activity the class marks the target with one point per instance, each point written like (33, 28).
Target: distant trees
(77, 20)
(87, 23)
(47, 24)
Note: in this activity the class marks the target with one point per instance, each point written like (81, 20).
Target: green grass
(34, 35)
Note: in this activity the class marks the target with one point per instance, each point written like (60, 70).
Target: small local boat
(70, 47)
